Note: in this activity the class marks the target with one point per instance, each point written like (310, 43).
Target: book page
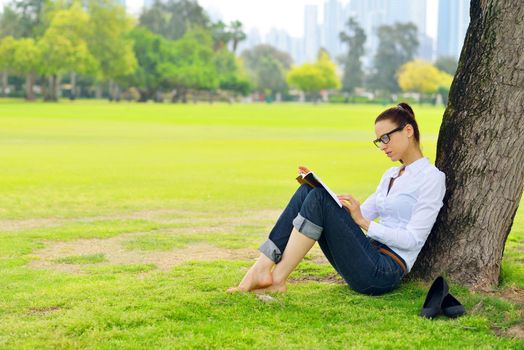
(331, 193)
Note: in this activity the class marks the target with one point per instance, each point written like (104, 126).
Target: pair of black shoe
(439, 301)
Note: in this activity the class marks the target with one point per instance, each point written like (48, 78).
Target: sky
(267, 14)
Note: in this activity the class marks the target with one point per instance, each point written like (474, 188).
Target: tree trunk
(111, 92)
(56, 90)
(116, 92)
(98, 91)
(144, 95)
(29, 82)
(73, 86)
(51, 93)
(481, 150)
(4, 84)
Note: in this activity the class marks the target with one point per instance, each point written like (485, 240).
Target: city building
(311, 32)
(331, 27)
(453, 21)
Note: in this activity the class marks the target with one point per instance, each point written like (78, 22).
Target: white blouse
(407, 213)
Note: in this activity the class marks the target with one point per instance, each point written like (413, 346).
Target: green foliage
(7, 53)
(237, 34)
(422, 77)
(267, 68)
(94, 41)
(231, 74)
(355, 39)
(221, 35)
(151, 51)
(447, 64)
(64, 45)
(193, 66)
(27, 56)
(25, 18)
(311, 78)
(398, 44)
(224, 34)
(173, 18)
(108, 41)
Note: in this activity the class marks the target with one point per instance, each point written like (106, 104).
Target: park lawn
(122, 225)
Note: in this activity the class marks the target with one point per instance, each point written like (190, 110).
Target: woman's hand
(303, 170)
(351, 204)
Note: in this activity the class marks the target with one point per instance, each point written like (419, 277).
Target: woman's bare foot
(255, 278)
(274, 288)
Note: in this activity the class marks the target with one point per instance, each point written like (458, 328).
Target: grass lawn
(122, 225)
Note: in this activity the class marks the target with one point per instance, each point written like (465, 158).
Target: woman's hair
(401, 114)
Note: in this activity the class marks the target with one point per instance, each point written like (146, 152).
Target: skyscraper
(311, 32)
(252, 39)
(279, 39)
(370, 14)
(332, 26)
(453, 21)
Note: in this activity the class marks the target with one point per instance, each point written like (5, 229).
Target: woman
(407, 200)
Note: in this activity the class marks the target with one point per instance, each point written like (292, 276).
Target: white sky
(267, 14)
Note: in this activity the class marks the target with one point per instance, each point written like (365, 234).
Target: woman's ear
(409, 130)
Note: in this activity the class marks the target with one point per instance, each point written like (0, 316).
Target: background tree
(192, 66)
(10, 22)
(64, 48)
(27, 61)
(109, 42)
(397, 44)
(221, 35)
(422, 77)
(237, 34)
(231, 74)
(312, 78)
(481, 150)
(172, 18)
(447, 64)
(151, 51)
(7, 59)
(354, 38)
(25, 18)
(267, 68)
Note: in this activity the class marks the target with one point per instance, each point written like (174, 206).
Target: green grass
(82, 259)
(152, 178)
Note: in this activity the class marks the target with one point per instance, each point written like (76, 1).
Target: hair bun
(407, 108)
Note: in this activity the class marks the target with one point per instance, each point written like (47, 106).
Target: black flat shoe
(432, 304)
(451, 307)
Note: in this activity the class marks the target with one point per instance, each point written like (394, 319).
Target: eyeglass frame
(376, 141)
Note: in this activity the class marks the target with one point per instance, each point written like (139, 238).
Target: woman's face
(398, 141)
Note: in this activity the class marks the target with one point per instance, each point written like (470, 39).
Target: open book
(314, 181)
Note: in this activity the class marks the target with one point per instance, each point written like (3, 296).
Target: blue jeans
(315, 214)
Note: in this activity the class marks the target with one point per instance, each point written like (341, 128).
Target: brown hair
(401, 114)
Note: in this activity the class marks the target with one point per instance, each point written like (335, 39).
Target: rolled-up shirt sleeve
(425, 212)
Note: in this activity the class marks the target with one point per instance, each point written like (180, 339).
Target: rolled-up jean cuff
(307, 228)
(269, 249)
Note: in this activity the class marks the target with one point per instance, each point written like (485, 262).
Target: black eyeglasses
(385, 138)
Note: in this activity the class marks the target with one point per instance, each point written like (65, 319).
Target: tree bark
(111, 90)
(98, 91)
(73, 86)
(481, 150)
(4, 84)
(29, 82)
